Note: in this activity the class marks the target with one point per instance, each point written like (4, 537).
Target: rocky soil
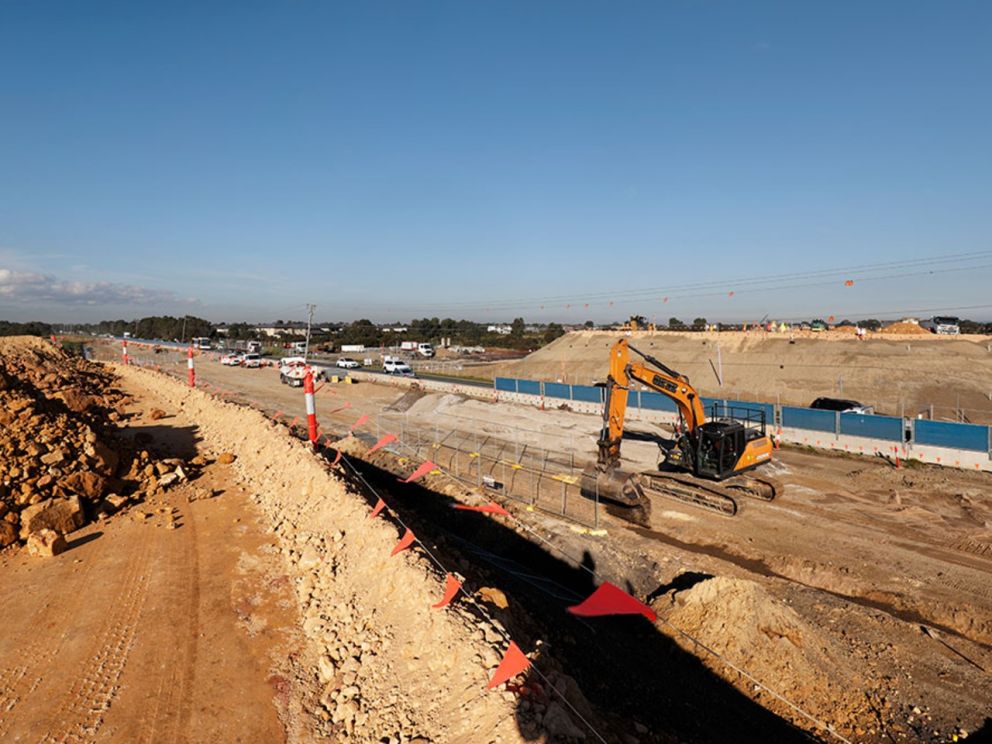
(62, 460)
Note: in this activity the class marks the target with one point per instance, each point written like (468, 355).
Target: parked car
(842, 405)
(252, 361)
(347, 363)
(393, 366)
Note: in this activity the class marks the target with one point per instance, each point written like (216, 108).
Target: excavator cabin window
(720, 446)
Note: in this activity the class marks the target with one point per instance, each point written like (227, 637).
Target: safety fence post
(189, 366)
(311, 408)
(124, 351)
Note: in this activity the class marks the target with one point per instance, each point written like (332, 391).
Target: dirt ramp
(379, 663)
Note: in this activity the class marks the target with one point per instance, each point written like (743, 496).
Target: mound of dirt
(904, 329)
(760, 634)
(60, 456)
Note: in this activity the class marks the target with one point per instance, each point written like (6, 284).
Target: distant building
(502, 329)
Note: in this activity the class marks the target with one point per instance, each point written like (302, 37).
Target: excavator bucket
(620, 492)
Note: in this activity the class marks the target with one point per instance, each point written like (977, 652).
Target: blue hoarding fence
(971, 437)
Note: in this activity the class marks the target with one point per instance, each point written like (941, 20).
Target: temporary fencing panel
(872, 427)
(529, 387)
(808, 418)
(556, 390)
(587, 394)
(949, 434)
(657, 402)
(506, 384)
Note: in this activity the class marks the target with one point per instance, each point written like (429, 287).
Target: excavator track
(722, 498)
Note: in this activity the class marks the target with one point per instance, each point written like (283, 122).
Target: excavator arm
(663, 379)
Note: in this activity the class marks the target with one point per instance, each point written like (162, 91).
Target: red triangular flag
(382, 443)
(319, 388)
(611, 600)
(420, 472)
(451, 587)
(490, 508)
(361, 420)
(405, 542)
(293, 422)
(513, 663)
(379, 506)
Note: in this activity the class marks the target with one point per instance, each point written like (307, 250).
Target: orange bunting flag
(664, 300)
(293, 422)
(611, 600)
(382, 443)
(276, 416)
(379, 506)
(586, 306)
(319, 388)
(490, 508)
(512, 664)
(849, 283)
(451, 587)
(337, 458)
(419, 472)
(405, 542)
(345, 407)
(830, 318)
(361, 420)
(730, 294)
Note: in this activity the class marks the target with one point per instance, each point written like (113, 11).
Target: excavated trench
(635, 678)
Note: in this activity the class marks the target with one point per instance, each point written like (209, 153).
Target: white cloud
(30, 288)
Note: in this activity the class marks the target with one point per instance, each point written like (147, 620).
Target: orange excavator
(705, 463)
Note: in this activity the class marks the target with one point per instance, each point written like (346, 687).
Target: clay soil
(861, 594)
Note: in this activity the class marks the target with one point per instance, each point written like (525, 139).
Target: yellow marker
(435, 472)
(473, 454)
(516, 466)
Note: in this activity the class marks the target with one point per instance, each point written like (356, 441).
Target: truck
(408, 346)
(425, 350)
(254, 347)
(201, 342)
(942, 325)
(352, 348)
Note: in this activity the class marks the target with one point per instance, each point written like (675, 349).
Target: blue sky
(402, 159)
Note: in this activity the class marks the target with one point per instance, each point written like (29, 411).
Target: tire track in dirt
(37, 651)
(173, 702)
(80, 714)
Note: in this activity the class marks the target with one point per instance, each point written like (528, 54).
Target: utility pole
(306, 348)
(183, 339)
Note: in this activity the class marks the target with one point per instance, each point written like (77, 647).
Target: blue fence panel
(587, 393)
(948, 434)
(873, 427)
(506, 384)
(808, 418)
(529, 387)
(708, 403)
(556, 390)
(657, 402)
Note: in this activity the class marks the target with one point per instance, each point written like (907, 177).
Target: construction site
(215, 556)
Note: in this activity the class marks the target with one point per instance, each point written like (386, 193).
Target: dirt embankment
(380, 664)
(894, 372)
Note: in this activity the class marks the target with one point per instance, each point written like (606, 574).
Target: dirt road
(164, 624)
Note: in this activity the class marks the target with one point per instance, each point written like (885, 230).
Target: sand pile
(59, 455)
(757, 632)
(904, 329)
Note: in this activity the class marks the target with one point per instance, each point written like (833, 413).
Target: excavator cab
(725, 444)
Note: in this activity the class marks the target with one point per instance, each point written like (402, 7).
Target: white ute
(395, 366)
(292, 370)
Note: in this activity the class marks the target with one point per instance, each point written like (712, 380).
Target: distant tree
(33, 328)
(589, 324)
(517, 328)
(639, 320)
(699, 324)
(675, 323)
(871, 324)
(553, 331)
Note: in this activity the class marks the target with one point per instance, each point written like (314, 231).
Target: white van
(425, 350)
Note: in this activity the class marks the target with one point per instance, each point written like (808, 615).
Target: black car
(840, 404)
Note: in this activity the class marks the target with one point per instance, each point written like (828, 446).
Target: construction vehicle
(705, 462)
